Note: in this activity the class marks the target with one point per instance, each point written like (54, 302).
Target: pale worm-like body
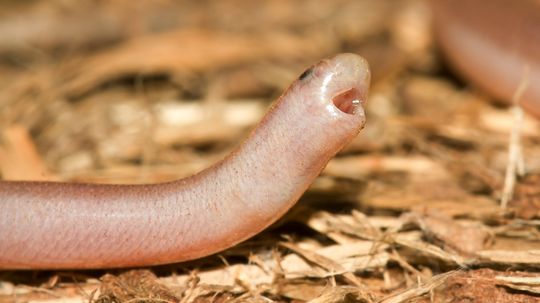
(48, 225)
(495, 44)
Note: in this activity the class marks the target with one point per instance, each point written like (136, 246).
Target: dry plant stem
(51, 225)
(326, 263)
(526, 284)
(420, 290)
(515, 154)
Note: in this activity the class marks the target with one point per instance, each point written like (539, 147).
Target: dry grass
(408, 212)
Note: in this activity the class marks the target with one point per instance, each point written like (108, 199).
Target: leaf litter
(154, 91)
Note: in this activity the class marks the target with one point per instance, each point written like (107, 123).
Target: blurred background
(102, 87)
(151, 91)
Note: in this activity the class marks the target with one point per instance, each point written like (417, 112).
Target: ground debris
(526, 201)
(486, 285)
(134, 286)
(117, 92)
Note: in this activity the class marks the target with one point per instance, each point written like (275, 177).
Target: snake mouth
(348, 101)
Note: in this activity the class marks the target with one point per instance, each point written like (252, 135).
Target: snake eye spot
(306, 73)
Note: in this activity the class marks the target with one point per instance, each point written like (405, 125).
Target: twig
(419, 290)
(515, 155)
